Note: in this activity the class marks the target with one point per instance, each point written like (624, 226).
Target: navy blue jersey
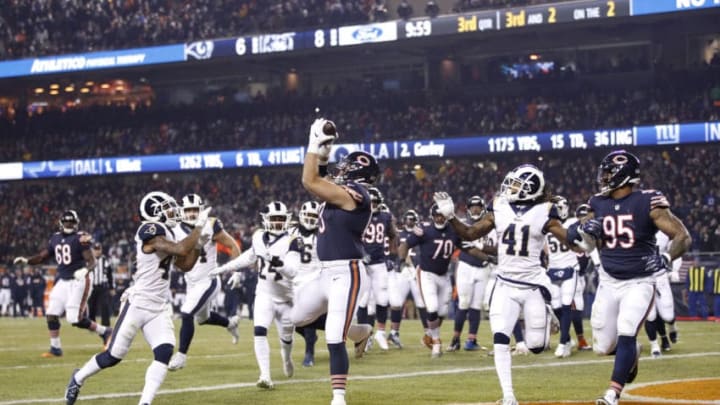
(375, 238)
(68, 252)
(628, 247)
(436, 247)
(412, 252)
(340, 232)
(5, 281)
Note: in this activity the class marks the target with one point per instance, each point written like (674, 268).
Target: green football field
(219, 372)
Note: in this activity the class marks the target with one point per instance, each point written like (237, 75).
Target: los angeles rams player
(664, 306)
(146, 305)
(202, 288)
(521, 215)
(563, 272)
(344, 215)
(589, 263)
(277, 255)
(471, 277)
(625, 221)
(379, 240)
(73, 283)
(404, 280)
(437, 242)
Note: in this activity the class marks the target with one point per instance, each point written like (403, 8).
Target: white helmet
(562, 206)
(309, 215)
(276, 218)
(157, 206)
(192, 204)
(524, 183)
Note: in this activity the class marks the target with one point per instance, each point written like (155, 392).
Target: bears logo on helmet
(357, 166)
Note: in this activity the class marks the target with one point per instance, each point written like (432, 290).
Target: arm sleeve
(246, 259)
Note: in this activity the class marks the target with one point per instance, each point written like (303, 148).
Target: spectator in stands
(404, 10)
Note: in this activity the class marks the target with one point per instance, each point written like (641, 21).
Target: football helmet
(438, 219)
(309, 215)
(410, 219)
(358, 166)
(618, 169)
(69, 221)
(275, 217)
(158, 206)
(382, 207)
(562, 206)
(524, 183)
(192, 204)
(475, 207)
(376, 198)
(582, 210)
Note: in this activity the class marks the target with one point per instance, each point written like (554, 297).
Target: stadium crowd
(30, 28)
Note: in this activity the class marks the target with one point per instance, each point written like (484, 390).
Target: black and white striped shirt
(103, 273)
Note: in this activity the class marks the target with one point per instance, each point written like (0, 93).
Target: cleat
(634, 370)
(73, 389)
(53, 352)
(583, 345)
(673, 334)
(554, 321)
(232, 328)
(427, 341)
(563, 350)
(381, 340)
(472, 345)
(106, 337)
(454, 345)
(309, 360)
(361, 345)
(369, 345)
(289, 368)
(394, 338)
(177, 362)
(610, 398)
(339, 400)
(655, 350)
(507, 401)
(436, 351)
(265, 383)
(521, 349)
(665, 344)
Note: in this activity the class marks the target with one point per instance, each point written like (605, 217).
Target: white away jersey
(265, 246)
(560, 256)
(151, 287)
(663, 244)
(309, 261)
(521, 239)
(207, 261)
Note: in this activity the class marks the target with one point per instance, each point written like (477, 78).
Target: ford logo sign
(367, 34)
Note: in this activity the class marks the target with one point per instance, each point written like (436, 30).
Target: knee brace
(260, 331)
(83, 323)
(105, 360)
(501, 339)
(163, 353)
(187, 317)
(53, 322)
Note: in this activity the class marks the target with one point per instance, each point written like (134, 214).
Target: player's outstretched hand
(80, 273)
(592, 227)
(446, 206)
(202, 217)
(235, 280)
(321, 137)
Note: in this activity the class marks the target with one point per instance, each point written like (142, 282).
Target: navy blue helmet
(69, 221)
(475, 201)
(437, 218)
(618, 169)
(582, 210)
(358, 166)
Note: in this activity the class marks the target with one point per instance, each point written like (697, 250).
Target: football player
(202, 288)
(73, 284)
(437, 243)
(379, 238)
(403, 281)
(664, 305)
(563, 269)
(146, 305)
(521, 215)
(471, 277)
(624, 221)
(277, 256)
(344, 215)
(587, 263)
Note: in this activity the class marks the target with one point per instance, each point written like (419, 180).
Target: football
(329, 128)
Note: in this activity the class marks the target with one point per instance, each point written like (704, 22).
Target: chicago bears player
(146, 305)
(588, 263)
(521, 215)
(563, 269)
(471, 277)
(277, 256)
(379, 240)
(309, 267)
(436, 242)
(664, 306)
(403, 281)
(625, 221)
(73, 285)
(202, 288)
(344, 216)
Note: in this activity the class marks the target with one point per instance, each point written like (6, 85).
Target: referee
(103, 287)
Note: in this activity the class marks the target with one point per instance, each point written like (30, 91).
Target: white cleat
(369, 345)
(655, 351)
(265, 383)
(507, 401)
(177, 362)
(289, 368)
(232, 328)
(381, 340)
(338, 400)
(521, 349)
(436, 350)
(610, 398)
(563, 350)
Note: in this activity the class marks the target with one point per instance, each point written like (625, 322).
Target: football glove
(470, 244)
(592, 227)
(319, 142)
(446, 206)
(20, 260)
(80, 274)
(202, 217)
(666, 261)
(205, 236)
(235, 281)
(390, 263)
(218, 270)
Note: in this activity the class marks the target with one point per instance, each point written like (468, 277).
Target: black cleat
(72, 390)
(665, 344)
(673, 336)
(454, 345)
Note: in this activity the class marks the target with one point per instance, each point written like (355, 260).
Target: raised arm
(670, 225)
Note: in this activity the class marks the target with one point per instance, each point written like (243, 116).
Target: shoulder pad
(149, 230)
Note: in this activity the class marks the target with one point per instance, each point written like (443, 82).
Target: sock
(651, 330)
(577, 322)
(285, 349)
(339, 392)
(362, 315)
(217, 319)
(564, 324)
(262, 355)
(460, 316)
(660, 326)
(55, 341)
(503, 367)
(99, 329)
(381, 312)
(423, 317)
(371, 320)
(339, 367)
(310, 336)
(187, 330)
(473, 321)
(154, 377)
(518, 332)
(625, 356)
(90, 368)
(395, 317)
